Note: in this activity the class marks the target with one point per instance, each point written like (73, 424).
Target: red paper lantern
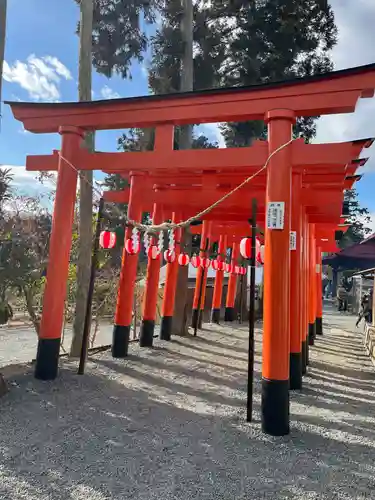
(107, 239)
(217, 265)
(261, 254)
(205, 262)
(153, 252)
(196, 261)
(170, 256)
(236, 270)
(228, 268)
(130, 247)
(243, 271)
(245, 248)
(183, 259)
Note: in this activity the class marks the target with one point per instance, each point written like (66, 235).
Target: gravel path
(19, 344)
(168, 423)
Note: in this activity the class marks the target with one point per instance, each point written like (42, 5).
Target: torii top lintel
(329, 93)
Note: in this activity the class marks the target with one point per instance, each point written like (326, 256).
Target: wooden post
(94, 265)
(251, 348)
(296, 271)
(150, 298)
(124, 308)
(58, 264)
(85, 181)
(276, 335)
(3, 22)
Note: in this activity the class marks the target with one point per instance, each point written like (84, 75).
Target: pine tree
(276, 40)
(359, 220)
(119, 34)
(239, 43)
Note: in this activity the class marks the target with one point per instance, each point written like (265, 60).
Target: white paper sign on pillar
(293, 240)
(275, 215)
(317, 268)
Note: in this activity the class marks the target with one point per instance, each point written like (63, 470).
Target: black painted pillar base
(319, 326)
(275, 407)
(166, 328)
(229, 314)
(200, 319)
(311, 333)
(295, 371)
(146, 336)
(215, 316)
(194, 318)
(304, 357)
(120, 341)
(47, 359)
(307, 353)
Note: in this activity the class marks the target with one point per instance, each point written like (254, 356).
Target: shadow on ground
(168, 423)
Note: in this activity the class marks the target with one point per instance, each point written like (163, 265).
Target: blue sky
(42, 60)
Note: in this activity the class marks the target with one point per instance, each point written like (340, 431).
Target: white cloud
(107, 93)
(355, 47)
(40, 77)
(25, 182)
(22, 130)
(212, 132)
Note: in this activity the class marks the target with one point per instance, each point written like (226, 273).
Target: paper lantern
(107, 239)
(242, 271)
(131, 247)
(245, 248)
(228, 268)
(217, 265)
(195, 261)
(153, 252)
(183, 259)
(261, 254)
(236, 270)
(205, 262)
(170, 256)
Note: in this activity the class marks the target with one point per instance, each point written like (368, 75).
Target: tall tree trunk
(180, 320)
(3, 18)
(85, 200)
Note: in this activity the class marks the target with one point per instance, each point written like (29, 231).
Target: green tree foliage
(241, 43)
(209, 34)
(5, 187)
(359, 220)
(24, 234)
(119, 35)
(277, 41)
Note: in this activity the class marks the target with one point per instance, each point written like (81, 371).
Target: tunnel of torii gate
(292, 178)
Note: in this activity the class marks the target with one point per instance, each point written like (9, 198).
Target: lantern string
(154, 228)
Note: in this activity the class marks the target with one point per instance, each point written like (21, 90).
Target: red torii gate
(278, 104)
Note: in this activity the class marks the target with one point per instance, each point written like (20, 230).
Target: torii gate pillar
(319, 293)
(124, 307)
(47, 357)
(218, 287)
(232, 286)
(296, 288)
(276, 336)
